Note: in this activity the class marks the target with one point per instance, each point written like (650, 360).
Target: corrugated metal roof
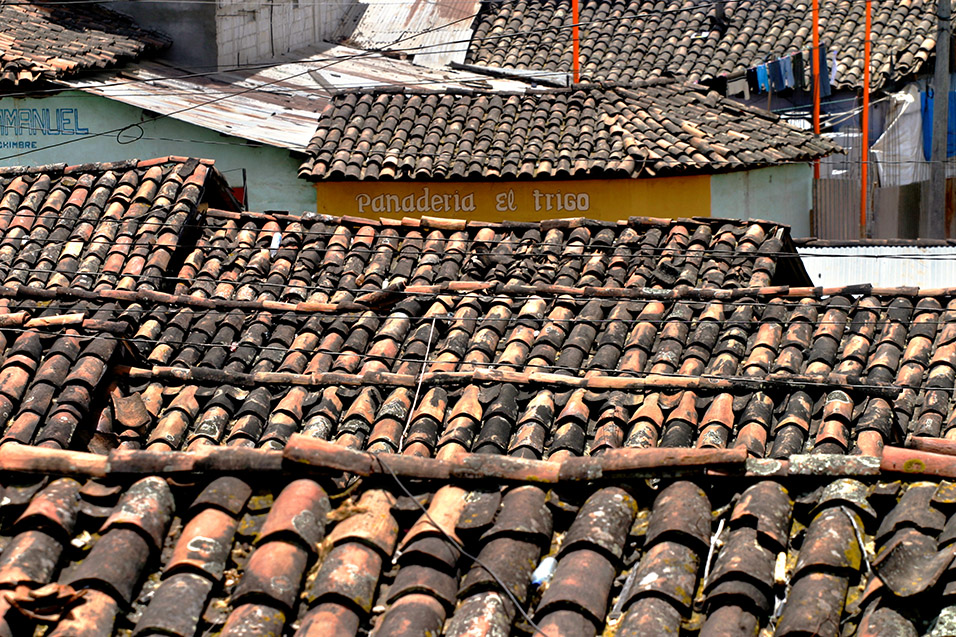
(441, 28)
(882, 266)
(278, 105)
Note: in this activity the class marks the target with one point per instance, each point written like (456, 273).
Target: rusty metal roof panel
(278, 105)
(424, 28)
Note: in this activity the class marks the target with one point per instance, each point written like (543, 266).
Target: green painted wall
(31, 128)
(780, 193)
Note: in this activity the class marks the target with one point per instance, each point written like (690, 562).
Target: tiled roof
(637, 428)
(48, 40)
(303, 295)
(639, 39)
(657, 128)
(94, 229)
(277, 105)
(264, 558)
(548, 340)
(99, 226)
(567, 301)
(463, 298)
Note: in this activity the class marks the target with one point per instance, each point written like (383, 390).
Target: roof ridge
(531, 90)
(451, 223)
(98, 167)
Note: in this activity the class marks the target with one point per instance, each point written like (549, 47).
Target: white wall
(253, 32)
(779, 193)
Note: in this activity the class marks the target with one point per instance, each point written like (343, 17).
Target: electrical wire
(418, 387)
(461, 549)
(121, 129)
(361, 54)
(197, 315)
(425, 362)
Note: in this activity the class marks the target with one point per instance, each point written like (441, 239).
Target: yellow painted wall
(608, 199)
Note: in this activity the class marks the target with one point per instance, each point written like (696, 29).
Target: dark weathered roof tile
(628, 141)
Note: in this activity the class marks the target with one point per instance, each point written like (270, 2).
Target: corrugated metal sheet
(883, 266)
(836, 195)
(278, 105)
(441, 29)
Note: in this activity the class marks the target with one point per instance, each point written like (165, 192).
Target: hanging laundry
(752, 83)
(926, 109)
(808, 70)
(799, 77)
(786, 68)
(776, 75)
(824, 80)
(763, 81)
(833, 66)
(899, 150)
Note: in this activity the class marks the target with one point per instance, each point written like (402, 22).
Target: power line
(339, 60)
(219, 99)
(584, 367)
(880, 314)
(630, 251)
(389, 49)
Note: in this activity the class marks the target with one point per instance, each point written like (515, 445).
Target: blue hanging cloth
(926, 110)
(786, 68)
(763, 81)
(775, 72)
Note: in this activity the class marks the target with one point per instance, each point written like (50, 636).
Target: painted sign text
(41, 121)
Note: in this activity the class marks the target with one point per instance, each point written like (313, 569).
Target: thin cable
(461, 549)
(216, 100)
(859, 539)
(418, 388)
(547, 28)
(278, 63)
(823, 384)
(373, 53)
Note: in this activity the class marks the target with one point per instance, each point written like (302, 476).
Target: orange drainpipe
(575, 63)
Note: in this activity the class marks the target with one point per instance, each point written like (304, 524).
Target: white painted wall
(779, 193)
(228, 33)
(27, 139)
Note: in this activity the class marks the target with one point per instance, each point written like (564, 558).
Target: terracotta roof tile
(43, 41)
(717, 556)
(635, 40)
(640, 131)
(516, 314)
(453, 369)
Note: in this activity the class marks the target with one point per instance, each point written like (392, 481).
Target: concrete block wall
(249, 32)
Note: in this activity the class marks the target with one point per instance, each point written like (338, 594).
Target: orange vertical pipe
(575, 63)
(865, 120)
(815, 65)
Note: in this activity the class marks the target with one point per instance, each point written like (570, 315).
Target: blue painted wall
(66, 128)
